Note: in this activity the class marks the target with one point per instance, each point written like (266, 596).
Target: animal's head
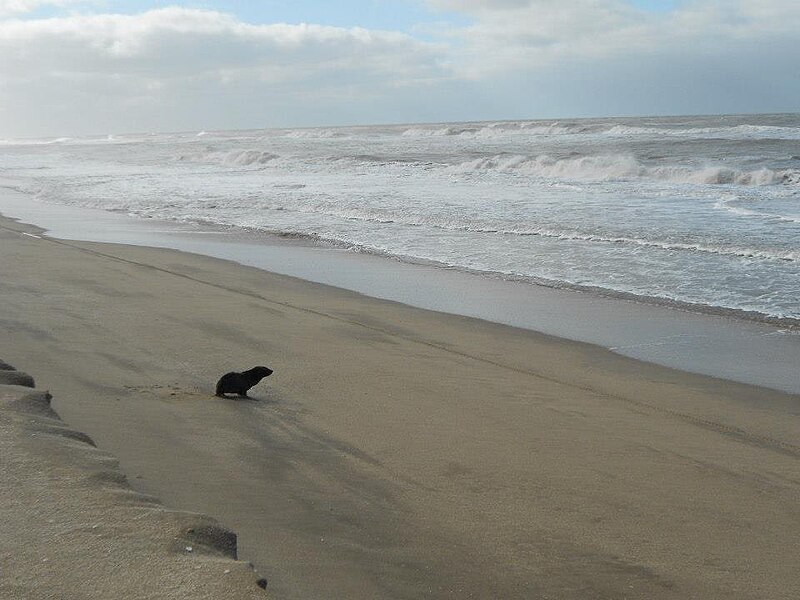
(262, 371)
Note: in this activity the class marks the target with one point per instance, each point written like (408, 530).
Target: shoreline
(721, 345)
(399, 452)
(267, 237)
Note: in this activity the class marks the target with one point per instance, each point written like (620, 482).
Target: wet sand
(716, 344)
(403, 453)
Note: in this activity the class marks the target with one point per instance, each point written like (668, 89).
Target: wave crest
(315, 134)
(736, 131)
(500, 128)
(540, 128)
(240, 158)
(620, 167)
(438, 132)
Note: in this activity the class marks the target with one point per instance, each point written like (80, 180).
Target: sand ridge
(74, 528)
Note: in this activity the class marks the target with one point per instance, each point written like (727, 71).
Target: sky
(73, 67)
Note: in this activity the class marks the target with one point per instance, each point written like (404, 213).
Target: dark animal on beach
(239, 383)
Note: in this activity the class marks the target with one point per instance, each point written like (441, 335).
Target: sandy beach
(74, 528)
(404, 453)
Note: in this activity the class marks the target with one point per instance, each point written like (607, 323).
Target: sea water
(700, 212)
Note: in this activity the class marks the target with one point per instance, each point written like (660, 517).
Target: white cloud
(514, 34)
(584, 57)
(17, 7)
(183, 42)
(178, 68)
(175, 56)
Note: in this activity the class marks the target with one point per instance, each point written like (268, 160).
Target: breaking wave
(315, 134)
(539, 128)
(35, 142)
(500, 128)
(737, 131)
(620, 167)
(240, 158)
(438, 132)
(696, 209)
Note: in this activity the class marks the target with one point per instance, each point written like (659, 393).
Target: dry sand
(72, 527)
(400, 453)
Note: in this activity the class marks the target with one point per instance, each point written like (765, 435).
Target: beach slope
(402, 453)
(74, 528)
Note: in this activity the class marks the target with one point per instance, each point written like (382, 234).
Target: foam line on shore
(721, 345)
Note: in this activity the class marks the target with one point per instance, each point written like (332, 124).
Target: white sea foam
(35, 142)
(242, 158)
(556, 128)
(620, 167)
(763, 215)
(438, 131)
(738, 131)
(499, 129)
(724, 250)
(315, 134)
(60, 140)
(355, 211)
(620, 204)
(248, 157)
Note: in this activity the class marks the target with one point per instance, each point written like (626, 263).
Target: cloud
(178, 68)
(184, 42)
(539, 58)
(17, 7)
(175, 56)
(529, 34)
(478, 5)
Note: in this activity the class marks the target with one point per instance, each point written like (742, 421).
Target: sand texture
(74, 528)
(401, 453)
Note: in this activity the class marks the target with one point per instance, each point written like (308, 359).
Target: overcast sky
(94, 67)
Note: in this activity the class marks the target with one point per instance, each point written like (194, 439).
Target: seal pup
(239, 383)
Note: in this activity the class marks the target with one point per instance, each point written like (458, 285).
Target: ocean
(694, 212)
